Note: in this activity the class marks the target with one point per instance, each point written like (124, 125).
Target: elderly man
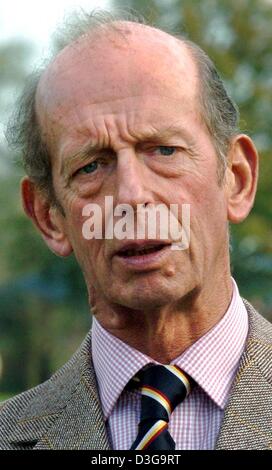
(175, 359)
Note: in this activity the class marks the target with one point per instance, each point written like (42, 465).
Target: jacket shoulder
(259, 342)
(43, 401)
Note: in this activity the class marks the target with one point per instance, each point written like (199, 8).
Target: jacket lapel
(65, 411)
(247, 422)
(80, 425)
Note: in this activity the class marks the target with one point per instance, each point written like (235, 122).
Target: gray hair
(218, 111)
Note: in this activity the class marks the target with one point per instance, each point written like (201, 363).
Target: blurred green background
(44, 313)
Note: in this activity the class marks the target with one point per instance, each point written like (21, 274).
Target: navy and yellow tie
(162, 387)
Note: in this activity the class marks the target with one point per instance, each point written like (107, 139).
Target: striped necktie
(162, 387)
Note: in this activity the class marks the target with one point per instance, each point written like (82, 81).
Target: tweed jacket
(65, 411)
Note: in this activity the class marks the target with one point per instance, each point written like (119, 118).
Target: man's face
(137, 104)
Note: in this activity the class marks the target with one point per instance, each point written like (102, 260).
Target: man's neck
(165, 333)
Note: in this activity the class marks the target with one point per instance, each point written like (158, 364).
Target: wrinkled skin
(122, 95)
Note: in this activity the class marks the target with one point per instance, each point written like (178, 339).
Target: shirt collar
(115, 363)
(211, 361)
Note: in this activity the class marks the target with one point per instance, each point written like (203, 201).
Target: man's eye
(167, 151)
(87, 169)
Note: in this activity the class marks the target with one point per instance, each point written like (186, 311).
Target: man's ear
(242, 177)
(47, 218)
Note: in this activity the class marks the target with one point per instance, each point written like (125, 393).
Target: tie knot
(163, 387)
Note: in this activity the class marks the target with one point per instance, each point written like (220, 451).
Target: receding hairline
(113, 31)
(117, 33)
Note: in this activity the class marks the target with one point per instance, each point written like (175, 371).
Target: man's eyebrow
(155, 136)
(82, 155)
(167, 132)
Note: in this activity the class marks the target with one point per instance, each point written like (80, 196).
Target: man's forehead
(116, 51)
(108, 67)
(125, 37)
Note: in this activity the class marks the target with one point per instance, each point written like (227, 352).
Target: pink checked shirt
(212, 361)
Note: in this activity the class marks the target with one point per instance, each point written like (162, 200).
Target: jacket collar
(65, 412)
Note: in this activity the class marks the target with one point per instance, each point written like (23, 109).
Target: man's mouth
(139, 251)
(142, 255)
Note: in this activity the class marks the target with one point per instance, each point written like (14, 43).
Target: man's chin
(141, 301)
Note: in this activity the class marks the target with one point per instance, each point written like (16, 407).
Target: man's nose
(132, 180)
